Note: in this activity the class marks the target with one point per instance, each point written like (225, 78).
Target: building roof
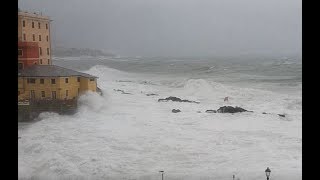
(50, 71)
(33, 15)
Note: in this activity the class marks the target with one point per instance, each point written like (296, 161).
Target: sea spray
(93, 102)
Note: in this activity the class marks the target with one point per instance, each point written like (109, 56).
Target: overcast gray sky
(175, 27)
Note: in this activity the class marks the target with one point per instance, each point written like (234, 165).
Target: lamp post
(161, 174)
(267, 171)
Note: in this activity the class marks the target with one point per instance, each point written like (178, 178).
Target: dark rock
(264, 113)
(118, 90)
(281, 115)
(198, 111)
(146, 82)
(122, 91)
(211, 111)
(176, 110)
(172, 98)
(230, 109)
(152, 94)
(124, 81)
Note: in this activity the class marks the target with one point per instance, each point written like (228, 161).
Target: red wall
(30, 53)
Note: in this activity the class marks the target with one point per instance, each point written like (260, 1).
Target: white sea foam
(133, 136)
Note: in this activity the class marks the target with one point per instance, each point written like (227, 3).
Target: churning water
(133, 136)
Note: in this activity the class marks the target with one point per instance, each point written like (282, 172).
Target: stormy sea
(127, 134)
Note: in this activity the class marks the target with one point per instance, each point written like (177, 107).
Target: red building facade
(28, 54)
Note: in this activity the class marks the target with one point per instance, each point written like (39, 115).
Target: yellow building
(34, 27)
(43, 87)
(50, 82)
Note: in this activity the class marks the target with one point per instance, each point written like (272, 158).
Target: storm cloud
(175, 27)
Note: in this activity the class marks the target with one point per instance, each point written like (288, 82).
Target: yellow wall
(87, 85)
(72, 87)
(92, 85)
(83, 84)
(20, 83)
(60, 87)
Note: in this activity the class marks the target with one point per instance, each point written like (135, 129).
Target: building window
(40, 50)
(18, 93)
(47, 38)
(32, 24)
(33, 37)
(41, 81)
(40, 61)
(43, 94)
(39, 37)
(46, 26)
(31, 81)
(20, 66)
(24, 23)
(53, 81)
(39, 25)
(91, 79)
(78, 78)
(47, 51)
(67, 80)
(24, 37)
(48, 61)
(67, 93)
(32, 94)
(20, 52)
(54, 95)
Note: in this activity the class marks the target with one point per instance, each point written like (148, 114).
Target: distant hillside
(74, 52)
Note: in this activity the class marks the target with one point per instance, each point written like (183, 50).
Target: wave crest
(91, 101)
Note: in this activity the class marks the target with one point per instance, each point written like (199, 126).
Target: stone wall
(31, 111)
